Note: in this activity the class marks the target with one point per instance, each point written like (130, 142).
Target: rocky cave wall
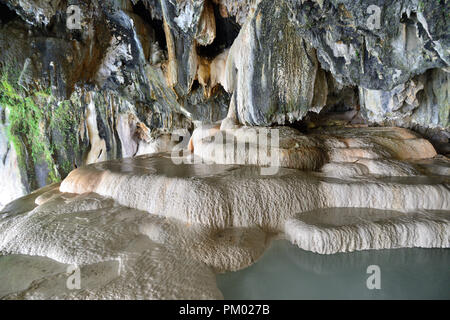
(138, 70)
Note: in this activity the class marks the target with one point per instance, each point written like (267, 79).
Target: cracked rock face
(423, 100)
(375, 45)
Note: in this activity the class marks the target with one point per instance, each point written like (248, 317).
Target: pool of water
(287, 272)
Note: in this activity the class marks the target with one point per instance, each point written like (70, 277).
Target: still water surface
(287, 272)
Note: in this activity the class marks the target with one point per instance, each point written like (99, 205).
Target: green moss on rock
(35, 118)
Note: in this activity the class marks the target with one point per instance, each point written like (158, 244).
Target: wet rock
(36, 11)
(199, 218)
(14, 184)
(126, 246)
(272, 70)
(165, 65)
(334, 230)
(335, 151)
(421, 101)
(206, 30)
(223, 196)
(375, 45)
(239, 9)
(279, 146)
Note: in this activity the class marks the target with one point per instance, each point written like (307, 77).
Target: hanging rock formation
(167, 65)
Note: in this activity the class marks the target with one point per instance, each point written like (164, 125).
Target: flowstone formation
(156, 143)
(159, 226)
(107, 79)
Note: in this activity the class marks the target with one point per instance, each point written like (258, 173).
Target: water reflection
(287, 272)
(163, 165)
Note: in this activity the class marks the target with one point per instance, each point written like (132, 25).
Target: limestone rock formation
(158, 142)
(155, 228)
(9, 168)
(370, 149)
(329, 231)
(376, 45)
(423, 100)
(268, 87)
(200, 196)
(175, 65)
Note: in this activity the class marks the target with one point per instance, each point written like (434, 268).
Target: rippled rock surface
(120, 119)
(161, 226)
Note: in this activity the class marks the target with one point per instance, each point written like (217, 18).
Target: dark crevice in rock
(342, 109)
(439, 138)
(227, 29)
(2, 115)
(6, 14)
(103, 129)
(140, 9)
(301, 125)
(5, 156)
(195, 85)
